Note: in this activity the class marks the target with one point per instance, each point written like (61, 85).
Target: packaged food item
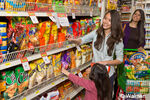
(22, 79)
(57, 64)
(32, 74)
(66, 60)
(73, 60)
(11, 84)
(54, 32)
(78, 58)
(68, 87)
(41, 70)
(83, 50)
(50, 68)
(54, 95)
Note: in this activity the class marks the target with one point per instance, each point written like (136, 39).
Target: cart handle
(130, 49)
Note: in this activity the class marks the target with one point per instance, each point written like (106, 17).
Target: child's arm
(87, 84)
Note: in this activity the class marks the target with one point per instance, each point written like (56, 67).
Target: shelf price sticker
(63, 19)
(33, 17)
(37, 92)
(79, 73)
(25, 64)
(73, 14)
(45, 58)
(24, 98)
(51, 17)
(53, 83)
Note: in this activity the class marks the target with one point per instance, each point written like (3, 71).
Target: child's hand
(65, 71)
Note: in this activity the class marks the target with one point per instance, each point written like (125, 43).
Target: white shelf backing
(74, 93)
(46, 85)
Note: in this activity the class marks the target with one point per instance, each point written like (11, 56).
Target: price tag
(79, 49)
(62, 78)
(8, 12)
(73, 16)
(25, 64)
(15, 12)
(45, 58)
(24, 98)
(33, 17)
(57, 21)
(37, 92)
(50, 15)
(91, 12)
(7, 64)
(0, 39)
(79, 73)
(53, 83)
(63, 19)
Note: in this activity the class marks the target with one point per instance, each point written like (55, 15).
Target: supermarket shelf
(34, 57)
(74, 93)
(46, 85)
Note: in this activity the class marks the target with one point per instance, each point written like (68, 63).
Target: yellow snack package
(78, 58)
(54, 32)
(57, 64)
(50, 68)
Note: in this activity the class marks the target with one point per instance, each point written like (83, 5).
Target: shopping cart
(133, 76)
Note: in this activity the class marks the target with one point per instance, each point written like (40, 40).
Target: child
(98, 87)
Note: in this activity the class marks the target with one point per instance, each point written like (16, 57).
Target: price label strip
(73, 14)
(33, 17)
(79, 73)
(51, 17)
(45, 58)
(25, 64)
(63, 19)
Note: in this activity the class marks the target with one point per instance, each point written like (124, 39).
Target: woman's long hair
(140, 26)
(101, 79)
(116, 33)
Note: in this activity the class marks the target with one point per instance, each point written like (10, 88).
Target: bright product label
(25, 64)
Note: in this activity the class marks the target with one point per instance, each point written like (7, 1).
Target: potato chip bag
(54, 32)
(57, 64)
(84, 52)
(73, 62)
(32, 74)
(50, 68)
(66, 60)
(22, 79)
(41, 70)
(11, 83)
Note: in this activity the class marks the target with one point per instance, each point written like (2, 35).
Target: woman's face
(107, 21)
(136, 16)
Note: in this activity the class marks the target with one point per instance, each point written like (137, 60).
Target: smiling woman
(107, 40)
(135, 32)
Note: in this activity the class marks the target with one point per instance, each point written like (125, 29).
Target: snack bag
(68, 87)
(54, 32)
(66, 60)
(57, 64)
(32, 74)
(47, 32)
(73, 62)
(78, 58)
(22, 79)
(83, 50)
(50, 68)
(41, 70)
(11, 84)
(54, 95)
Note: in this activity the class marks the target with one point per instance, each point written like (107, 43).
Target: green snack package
(22, 79)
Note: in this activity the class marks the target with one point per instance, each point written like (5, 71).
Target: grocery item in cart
(22, 79)
(57, 64)
(11, 83)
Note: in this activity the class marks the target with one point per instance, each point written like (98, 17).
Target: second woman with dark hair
(134, 31)
(106, 41)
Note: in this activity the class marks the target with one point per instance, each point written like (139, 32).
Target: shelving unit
(74, 93)
(46, 85)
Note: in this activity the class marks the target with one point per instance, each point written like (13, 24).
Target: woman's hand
(65, 71)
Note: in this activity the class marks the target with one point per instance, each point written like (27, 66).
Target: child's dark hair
(101, 79)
